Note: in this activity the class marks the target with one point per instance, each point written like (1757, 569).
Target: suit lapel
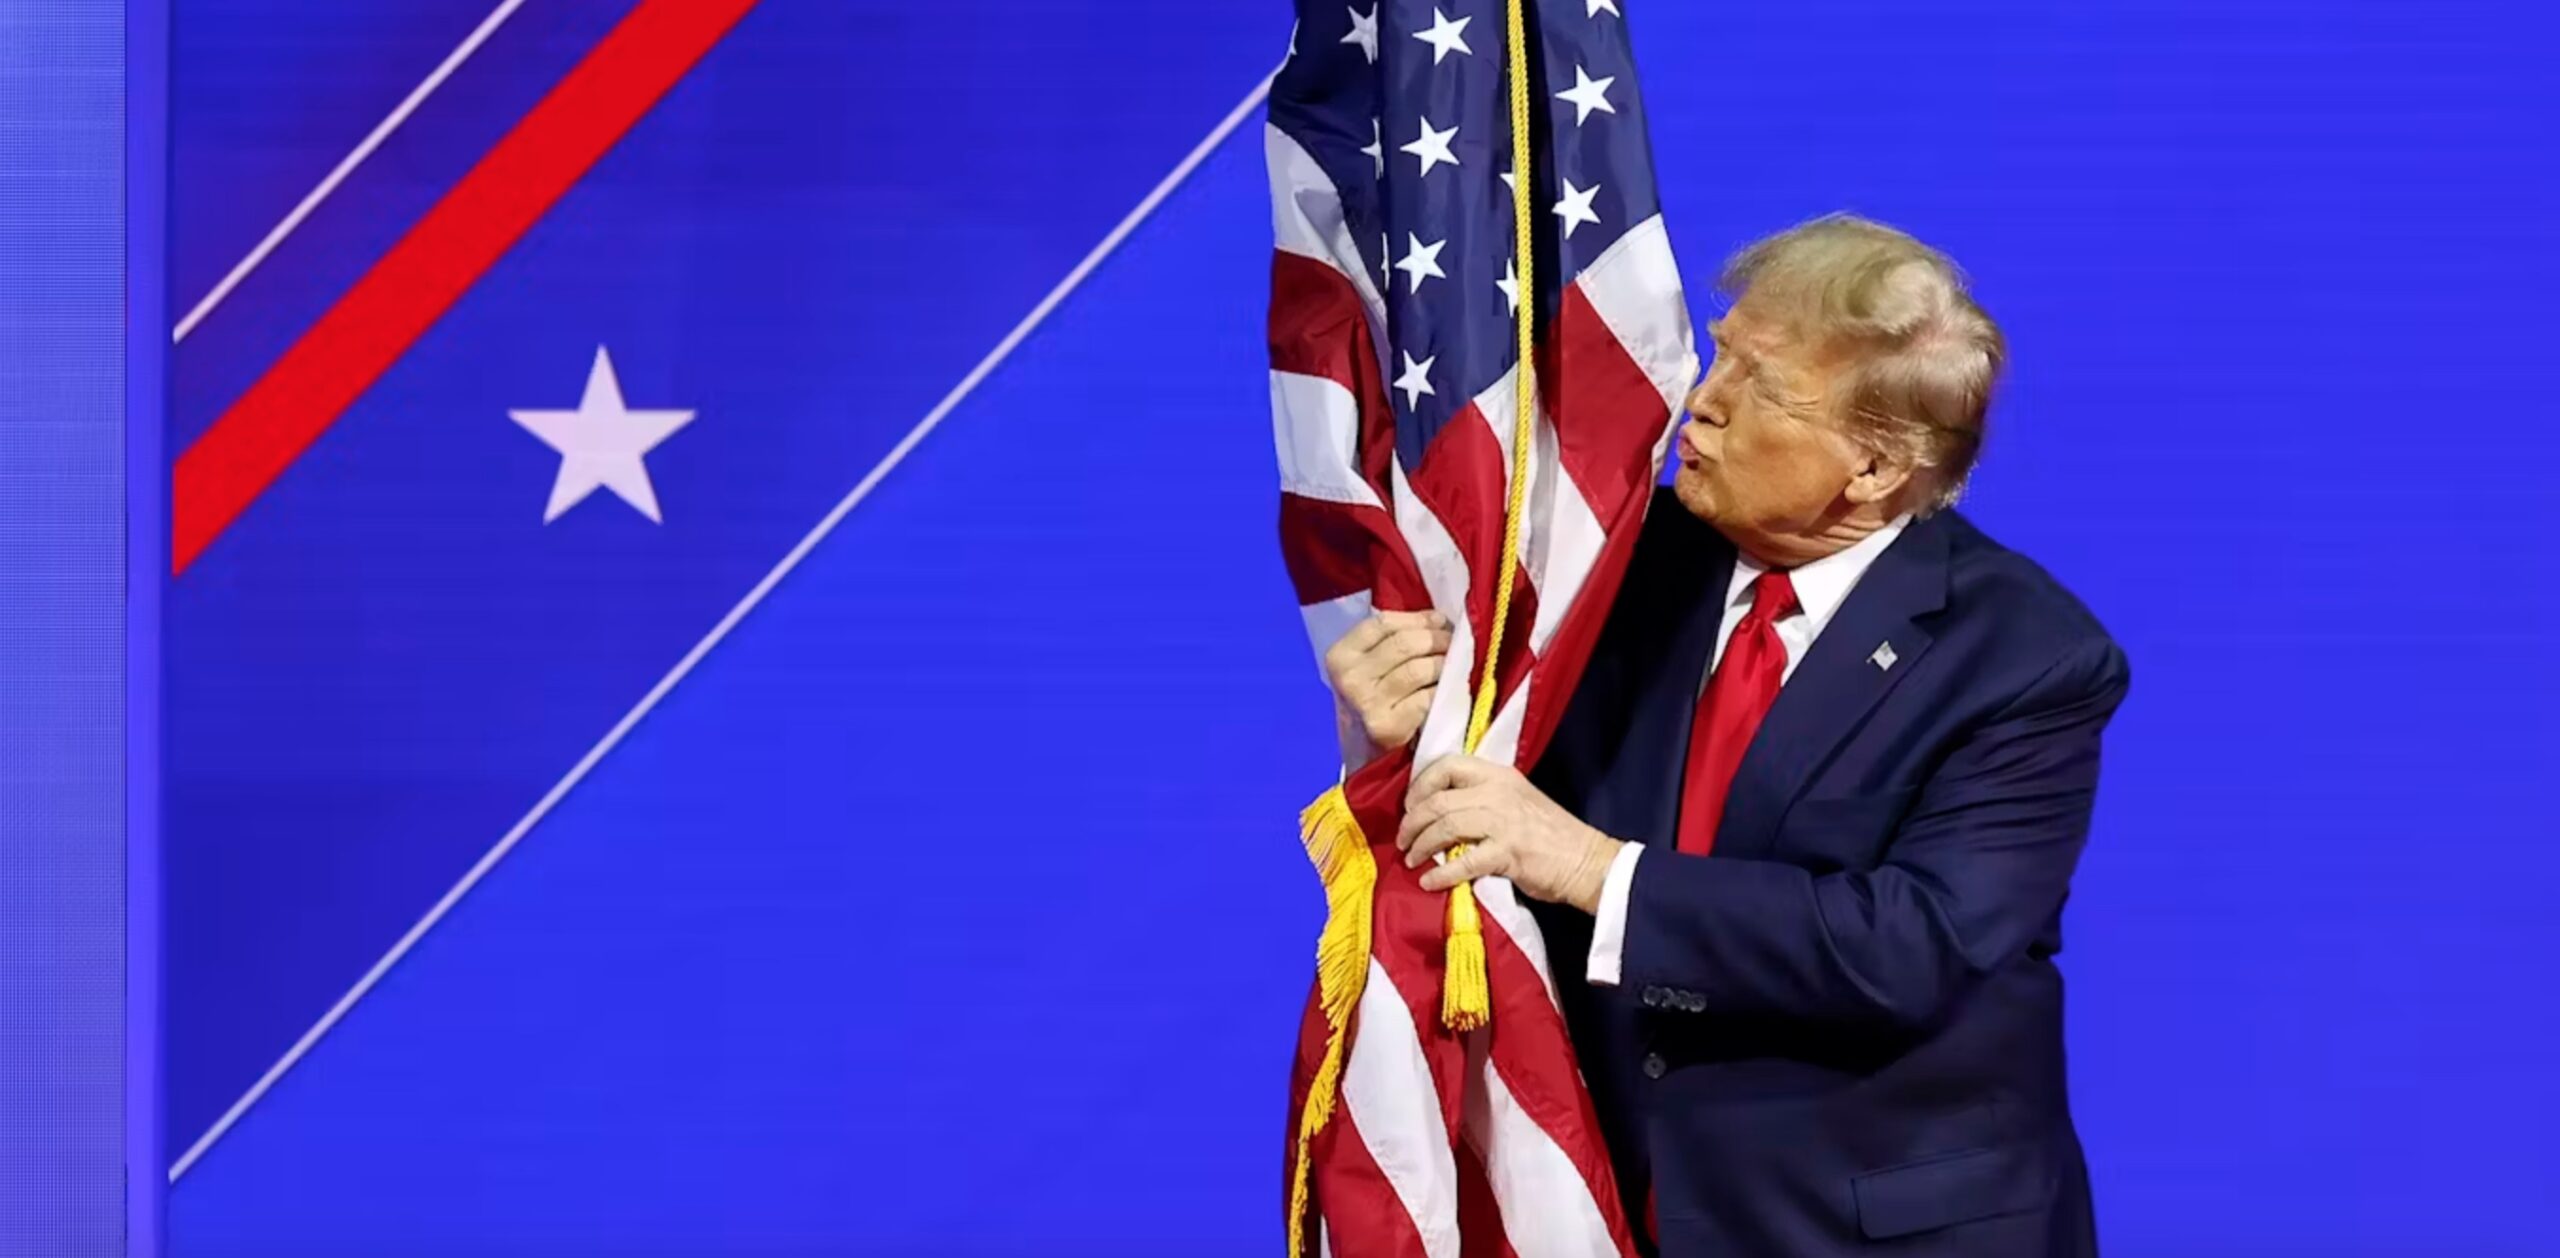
(1871, 644)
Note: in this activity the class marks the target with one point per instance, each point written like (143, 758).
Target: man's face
(1757, 460)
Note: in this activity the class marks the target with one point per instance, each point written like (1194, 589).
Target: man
(1804, 835)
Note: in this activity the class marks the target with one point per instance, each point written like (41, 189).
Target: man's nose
(1701, 405)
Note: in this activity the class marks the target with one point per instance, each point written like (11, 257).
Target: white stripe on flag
(1318, 436)
(1387, 1084)
(1635, 287)
(1444, 573)
(1547, 1209)
(1306, 219)
(1502, 903)
(1570, 538)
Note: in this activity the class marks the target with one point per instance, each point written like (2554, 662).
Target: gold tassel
(1350, 876)
(1466, 1002)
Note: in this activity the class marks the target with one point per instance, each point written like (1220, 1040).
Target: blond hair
(1917, 356)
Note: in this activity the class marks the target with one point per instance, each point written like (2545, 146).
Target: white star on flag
(1445, 36)
(1416, 380)
(1422, 261)
(1510, 284)
(1433, 147)
(1599, 7)
(1587, 94)
(1364, 32)
(1575, 209)
(1377, 149)
(602, 444)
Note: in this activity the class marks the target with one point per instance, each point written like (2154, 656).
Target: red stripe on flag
(1330, 547)
(1532, 1052)
(1408, 935)
(440, 258)
(1480, 1233)
(1570, 650)
(1365, 1217)
(1319, 326)
(1464, 480)
(1607, 412)
(1410, 944)
(1607, 415)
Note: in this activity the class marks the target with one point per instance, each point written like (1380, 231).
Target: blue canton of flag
(1413, 126)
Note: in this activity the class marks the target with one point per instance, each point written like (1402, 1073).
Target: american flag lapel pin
(1883, 658)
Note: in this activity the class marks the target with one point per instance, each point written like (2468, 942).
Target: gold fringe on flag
(1350, 876)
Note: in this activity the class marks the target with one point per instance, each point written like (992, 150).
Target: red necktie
(1737, 697)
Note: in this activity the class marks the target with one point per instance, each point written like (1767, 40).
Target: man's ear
(1880, 480)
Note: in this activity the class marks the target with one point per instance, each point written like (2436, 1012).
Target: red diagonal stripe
(440, 258)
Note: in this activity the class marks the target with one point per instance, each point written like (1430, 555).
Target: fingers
(1378, 647)
(1407, 713)
(1418, 673)
(1419, 815)
(1446, 774)
(1403, 646)
(1424, 619)
(1348, 648)
(1463, 826)
(1384, 670)
(1476, 862)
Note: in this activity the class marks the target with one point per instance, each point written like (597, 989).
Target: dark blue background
(953, 905)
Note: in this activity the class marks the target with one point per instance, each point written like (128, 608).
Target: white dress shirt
(1821, 587)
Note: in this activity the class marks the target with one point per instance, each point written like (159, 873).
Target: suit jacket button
(1653, 997)
(1655, 1067)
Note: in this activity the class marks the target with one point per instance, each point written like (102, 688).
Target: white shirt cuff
(1609, 929)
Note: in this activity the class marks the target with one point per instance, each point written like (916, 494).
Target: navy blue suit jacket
(1841, 1034)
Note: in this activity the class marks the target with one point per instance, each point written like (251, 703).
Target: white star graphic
(1511, 180)
(1599, 7)
(1422, 261)
(1510, 284)
(1587, 94)
(1575, 209)
(602, 443)
(1416, 380)
(1364, 32)
(1433, 147)
(1445, 36)
(1293, 42)
(1377, 149)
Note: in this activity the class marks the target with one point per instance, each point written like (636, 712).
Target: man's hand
(1511, 828)
(1384, 670)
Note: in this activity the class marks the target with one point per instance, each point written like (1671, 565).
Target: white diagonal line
(347, 165)
(613, 737)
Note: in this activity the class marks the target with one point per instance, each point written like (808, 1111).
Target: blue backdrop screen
(947, 901)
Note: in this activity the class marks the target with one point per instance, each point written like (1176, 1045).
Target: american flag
(1393, 356)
